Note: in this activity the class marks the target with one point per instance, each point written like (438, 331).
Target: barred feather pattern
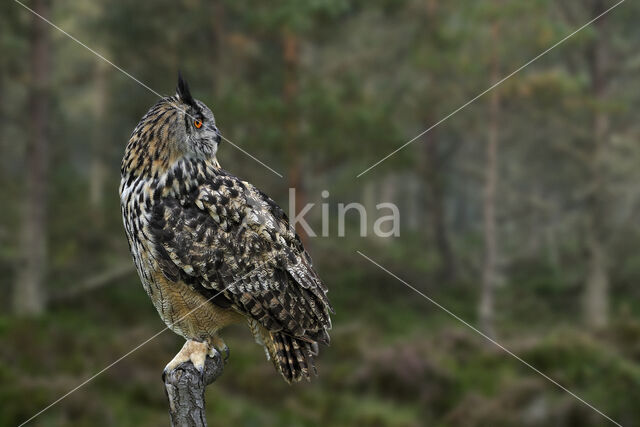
(292, 357)
(196, 231)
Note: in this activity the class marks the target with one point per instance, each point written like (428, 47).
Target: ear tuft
(183, 91)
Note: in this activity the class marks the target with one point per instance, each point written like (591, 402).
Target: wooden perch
(184, 387)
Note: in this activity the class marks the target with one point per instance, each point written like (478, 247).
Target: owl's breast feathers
(201, 232)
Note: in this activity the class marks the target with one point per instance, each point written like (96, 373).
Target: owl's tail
(293, 357)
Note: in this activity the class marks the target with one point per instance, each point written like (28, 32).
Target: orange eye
(197, 124)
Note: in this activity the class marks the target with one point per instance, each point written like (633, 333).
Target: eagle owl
(211, 249)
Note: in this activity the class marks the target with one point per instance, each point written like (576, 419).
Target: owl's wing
(226, 237)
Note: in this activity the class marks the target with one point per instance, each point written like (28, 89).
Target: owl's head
(198, 134)
(176, 127)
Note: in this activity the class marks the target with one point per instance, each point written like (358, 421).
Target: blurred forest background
(519, 213)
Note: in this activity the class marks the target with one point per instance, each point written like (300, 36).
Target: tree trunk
(596, 297)
(432, 173)
(98, 169)
(596, 310)
(489, 275)
(28, 293)
(290, 92)
(185, 387)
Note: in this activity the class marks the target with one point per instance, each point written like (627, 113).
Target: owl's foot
(195, 351)
(217, 343)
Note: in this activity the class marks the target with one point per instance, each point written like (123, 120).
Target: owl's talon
(193, 351)
(225, 353)
(217, 343)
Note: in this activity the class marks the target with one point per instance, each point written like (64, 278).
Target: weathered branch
(185, 386)
(94, 282)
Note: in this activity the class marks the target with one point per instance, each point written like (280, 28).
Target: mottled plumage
(212, 249)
